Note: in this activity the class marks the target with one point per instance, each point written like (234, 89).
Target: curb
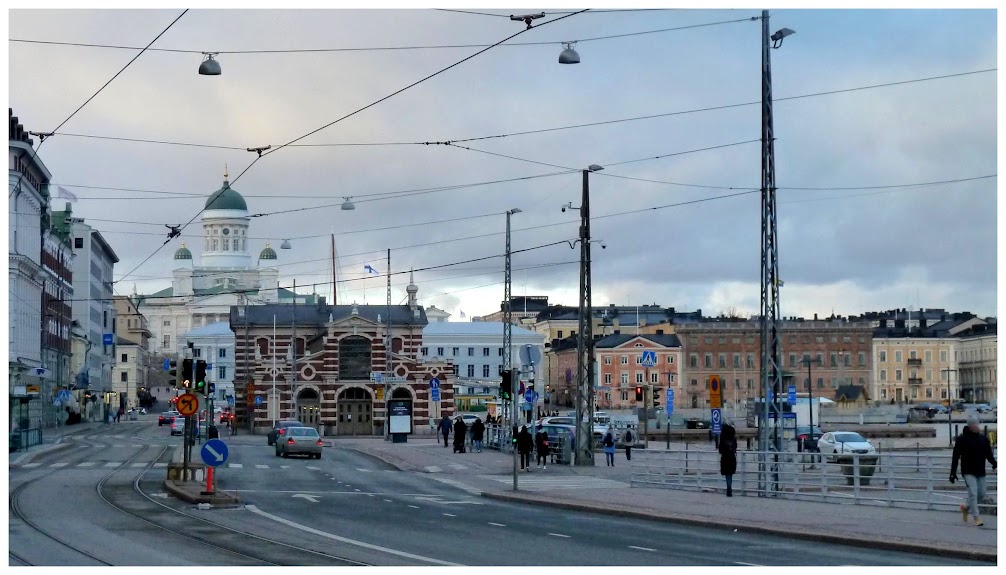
(933, 548)
(27, 457)
(221, 499)
(398, 464)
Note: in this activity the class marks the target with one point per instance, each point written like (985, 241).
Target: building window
(222, 371)
(834, 359)
(166, 341)
(709, 340)
(820, 383)
(750, 384)
(607, 360)
(456, 351)
(440, 352)
(485, 370)
(882, 356)
(625, 396)
(862, 359)
(471, 352)
(559, 333)
(226, 245)
(654, 377)
(215, 245)
(670, 359)
(943, 356)
(639, 377)
(499, 371)
(883, 394)
(737, 360)
(78, 243)
(929, 393)
(883, 375)
(124, 377)
(471, 370)
(354, 358)
(737, 383)
(125, 358)
(929, 375)
(751, 362)
(424, 351)
(167, 323)
(485, 352)
(913, 354)
(693, 360)
(500, 351)
(897, 356)
(222, 352)
(197, 352)
(695, 382)
(723, 360)
(607, 378)
(709, 360)
(898, 374)
(625, 378)
(639, 359)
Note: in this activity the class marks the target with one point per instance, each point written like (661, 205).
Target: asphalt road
(343, 509)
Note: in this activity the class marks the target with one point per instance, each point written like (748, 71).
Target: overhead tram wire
(42, 138)
(372, 104)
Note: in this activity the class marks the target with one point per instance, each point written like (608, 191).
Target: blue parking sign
(670, 402)
(717, 421)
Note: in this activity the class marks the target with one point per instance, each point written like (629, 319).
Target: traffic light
(200, 375)
(656, 399)
(173, 372)
(639, 393)
(186, 371)
(513, 436)
(212, 388)
(506, 385)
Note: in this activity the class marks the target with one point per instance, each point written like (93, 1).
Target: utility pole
(810, 391)
(507, 342)
(584, 437)
(249, 401)
(950, 406)
(387, 355)
(293, 357)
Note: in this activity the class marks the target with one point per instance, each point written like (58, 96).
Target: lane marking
(284, 467)
(388, 500)
(262, 466)
(313, 468)
(457, 466)
(314, 531)
(364, 470)
(235, 465)
(641, 548)
(139, 465)
(433, 469)
(119, 445)
(86, 464)
(112, 464)
(497, 524)
(31, 465)
(58, 465)
(357, 490)
(559, 535)
(414, 506)
(160, 465)
(748, 564)
(450, 515)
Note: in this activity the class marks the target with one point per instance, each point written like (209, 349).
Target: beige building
(130, 373)
(977, 363)
(915, 369)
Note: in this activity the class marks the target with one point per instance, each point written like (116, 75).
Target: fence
(912, 480)
(25, 438)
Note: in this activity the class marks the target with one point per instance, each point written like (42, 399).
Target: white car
(844, 442)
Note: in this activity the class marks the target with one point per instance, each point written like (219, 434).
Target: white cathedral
(201, 295)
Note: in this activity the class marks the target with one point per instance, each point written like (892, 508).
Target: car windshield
(289, 424)
(303, 431)
(849, 438)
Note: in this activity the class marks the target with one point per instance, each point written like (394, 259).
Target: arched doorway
(309, 408)
(403, 394)
(355, 412)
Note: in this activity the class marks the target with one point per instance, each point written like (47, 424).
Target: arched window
(262, 344)
(396, 344)
(354, 358)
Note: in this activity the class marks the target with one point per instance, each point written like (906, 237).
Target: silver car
(299, 441)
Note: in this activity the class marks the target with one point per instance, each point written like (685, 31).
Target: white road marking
(139, 464)
(99, 446)
(235, 465)
(59, 465)
(313, 468)
(86, 464)
(112, 464)
(559, 535)
(433, 469)
(119, 445)
(388, 550)
(497, 524)
(748, 564)
(641, 548)
(457, 466)
(450, 515)
(160, 465)
(137, 445)
(414, 506)
(262, 466)
(388, 500)
(284, 467)
(364, 470)
(31, 465)
(357, 490)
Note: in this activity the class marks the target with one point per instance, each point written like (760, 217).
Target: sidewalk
(52, 439)
(910, 530)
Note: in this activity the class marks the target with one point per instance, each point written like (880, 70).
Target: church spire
(412, 289)
(226, 176)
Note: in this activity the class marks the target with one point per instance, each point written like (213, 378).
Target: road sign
(230, 401)
(649, 358)
(717, 421)
(107, 339)
(434, 383)
(715, 392)
(379, 377)
(167, 364)
(670, 402)
(34, 389)
(791, 394)
(435, 394)
(63, 395)
(42, 373)
(258, 401)
(529, 355)
(789, 415)
(214, 452)
(187, 404)
(529, 396)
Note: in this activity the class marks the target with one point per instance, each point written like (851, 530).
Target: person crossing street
(972, 449)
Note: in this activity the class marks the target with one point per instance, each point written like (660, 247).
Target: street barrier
(908, 480)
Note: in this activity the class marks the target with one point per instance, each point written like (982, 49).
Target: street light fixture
(209, 67)
(285, 245)
(569, 55)
(348, 204)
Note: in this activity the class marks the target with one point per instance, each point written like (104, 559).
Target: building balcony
(915, 381)
(914, 362)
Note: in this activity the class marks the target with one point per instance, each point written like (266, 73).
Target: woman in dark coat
(728, 456)
(478, 430)
(525, 443)
(460, 430)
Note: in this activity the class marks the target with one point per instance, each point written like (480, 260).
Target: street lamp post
(810, 392)
(507, 339)
(950, 408)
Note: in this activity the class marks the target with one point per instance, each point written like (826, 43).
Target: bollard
(209, 481)
(917, 457)
(686, 457)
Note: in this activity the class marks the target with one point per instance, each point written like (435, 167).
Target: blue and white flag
(370, 269)
(462, 315)
(67, 194)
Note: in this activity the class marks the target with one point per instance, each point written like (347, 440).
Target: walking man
(478, 430)
(445, 428)
(628, 439)
(972, 449)
(525, 443)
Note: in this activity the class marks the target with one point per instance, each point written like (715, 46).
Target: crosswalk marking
(284, 467)
(364, 470)
(59, 465)
(457, 466)
(235, 465)
(139, 464)
(31, 465)
(160, 465)
(112, 464)
(559, 535)
(433, 469)
(262, 466)
(99, 446)
(118, 445)
(86, 464)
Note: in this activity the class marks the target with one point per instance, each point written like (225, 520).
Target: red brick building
(620, 368)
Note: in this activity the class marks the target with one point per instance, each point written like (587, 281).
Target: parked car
(807, 438)
(299, 441)
(844, 442)
(166, 418)
(280, 429)
(469, 419)
(178, 426)
(694, 423)
(557, 420)
(983, 408)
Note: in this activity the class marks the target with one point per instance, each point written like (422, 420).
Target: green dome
(183, 253)
(268, 254)
(226, 199)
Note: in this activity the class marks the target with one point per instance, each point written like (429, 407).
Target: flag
(65, 193)
(779, 283)
(370, 269)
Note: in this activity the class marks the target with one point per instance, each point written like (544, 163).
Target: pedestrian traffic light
(200, 375)
(506, 384)
(187, 370)
(513, 436)
(639, 393)
(173, 373)
(212, 388)
(656, 399)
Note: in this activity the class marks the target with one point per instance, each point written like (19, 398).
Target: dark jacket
(478, 430)
(541, 442)
(972, 450)
(524, 441)
(444, 426)
(728, 450)
(459, 431)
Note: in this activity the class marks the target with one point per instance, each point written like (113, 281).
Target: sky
(847, 245)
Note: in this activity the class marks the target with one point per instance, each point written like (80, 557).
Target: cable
(602, 11)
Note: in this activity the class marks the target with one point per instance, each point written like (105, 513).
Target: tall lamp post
(810, 392)
(950, 406)
(507, 339)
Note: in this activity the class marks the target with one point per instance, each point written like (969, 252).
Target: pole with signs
(670, 411)
(716, 403)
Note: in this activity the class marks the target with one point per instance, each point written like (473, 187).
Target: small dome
(183, 253)
(226, 198)
(268, 254)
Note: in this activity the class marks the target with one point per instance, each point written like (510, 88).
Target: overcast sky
(846, 251)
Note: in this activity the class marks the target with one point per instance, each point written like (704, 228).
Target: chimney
(815, 317)
(899, 324)
(922, 322)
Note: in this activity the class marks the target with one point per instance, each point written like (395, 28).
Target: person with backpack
(972, 450)
(628, 439)
(728, 455)
(608, 442)
(541, 445)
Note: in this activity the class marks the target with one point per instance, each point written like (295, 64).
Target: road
(106, 505)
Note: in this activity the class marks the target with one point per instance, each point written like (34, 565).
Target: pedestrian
(460, 430)
(728, 455)
(541, 445)
(478, 430)
(628, 439)
(608, 442)
(972, 449)
(525, 443)
(445, 428)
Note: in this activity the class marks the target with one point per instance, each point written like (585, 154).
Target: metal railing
(906, 480)
(22, 439)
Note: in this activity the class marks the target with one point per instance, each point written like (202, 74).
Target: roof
(981, 330)
(493, 328)
(183, 253)
(314, 314)
(120, 341)
(226, 198)
(214, 329)
(268, 253)
(666, 340)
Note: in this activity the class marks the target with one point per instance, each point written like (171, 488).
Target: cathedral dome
(268, 254)
(183, 253)
(226, 198)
